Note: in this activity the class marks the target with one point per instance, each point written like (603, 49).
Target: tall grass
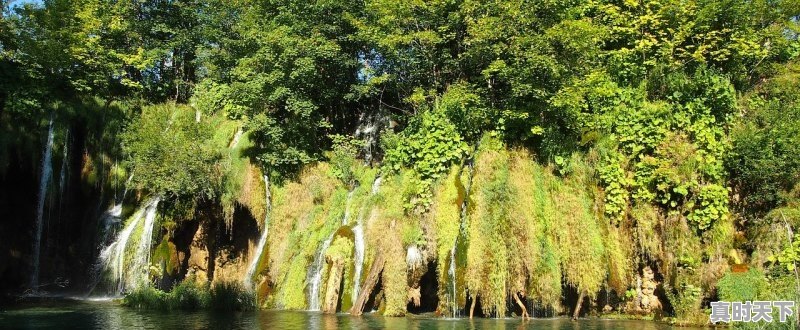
(189, 295)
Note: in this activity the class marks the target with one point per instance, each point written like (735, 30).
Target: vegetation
(189, 295)
(543, 148)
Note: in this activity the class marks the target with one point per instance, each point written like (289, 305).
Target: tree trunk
(525, 314)
(578, 307)
(334, 283)
(472, 306)
(369, 284)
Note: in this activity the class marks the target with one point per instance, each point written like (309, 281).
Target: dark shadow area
(428, 289)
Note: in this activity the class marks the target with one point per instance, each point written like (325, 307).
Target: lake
(109, 315)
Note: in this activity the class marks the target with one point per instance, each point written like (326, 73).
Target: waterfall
(452, 273)
(316, 274)
(358, 239)
(146, 241)
(112, 257)
(44, 179)
(453, 252)
(318, 266)
(376, 185)
(346, 217)
(368, 129)
(111, 216)
(251, 268)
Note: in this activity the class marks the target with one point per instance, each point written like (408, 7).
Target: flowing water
(127, 276)
(44, 180)
(262, 242)
(369, 130)
(109, 315)
(358, 240)
(315, 274)
(453, 252)
(315, 277)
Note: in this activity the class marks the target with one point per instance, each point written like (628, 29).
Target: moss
(487, 269)
(291, 294)
(166, 253)
(342, 248)
(304, 213)
(395, 285)
(579, 237)
(448, 199)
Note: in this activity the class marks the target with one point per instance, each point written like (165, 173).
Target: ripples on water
(109, 315)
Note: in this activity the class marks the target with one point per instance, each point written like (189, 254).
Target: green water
(109, 315)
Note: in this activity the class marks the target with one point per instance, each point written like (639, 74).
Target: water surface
(109, 315)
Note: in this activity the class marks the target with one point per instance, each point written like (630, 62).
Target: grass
(189, 295)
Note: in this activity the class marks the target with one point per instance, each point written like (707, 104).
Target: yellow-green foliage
(385, 228)
(487, 272)
(395, 287)
(342, 248)
(527, 227)
(546, 273)
(579, 236)
(619, 256)
(304, 213)
(448, 199)
(167, 254)
(647, 232)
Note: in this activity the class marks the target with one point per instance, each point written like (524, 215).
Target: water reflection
(108, 315)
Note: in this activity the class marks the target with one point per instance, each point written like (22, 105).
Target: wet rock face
(646, 286)
(333, 286)
(198, 257)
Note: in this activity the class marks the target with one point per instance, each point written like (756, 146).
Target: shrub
(231, 296)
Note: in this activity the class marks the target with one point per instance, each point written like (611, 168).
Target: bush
(231, 296)
(147, 298)
(188, 295)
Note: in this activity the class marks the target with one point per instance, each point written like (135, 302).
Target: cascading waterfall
(262, 242)
(368, 130)
(453, 252)
(452, 273)
(112, 258)
(44, 179)
(346, 217)
(145, 241)
(315, 276)
(112, 216)
(358, 240)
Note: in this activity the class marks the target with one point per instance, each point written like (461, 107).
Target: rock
(228, 268)
(414, 296)
(648, 300)
(198, 257)
(332, 288)
(607, 308)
